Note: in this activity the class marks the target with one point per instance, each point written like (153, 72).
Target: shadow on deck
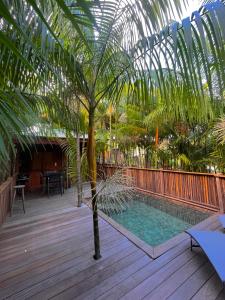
(48, 253)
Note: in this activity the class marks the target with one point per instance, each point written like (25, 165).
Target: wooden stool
(16, 189)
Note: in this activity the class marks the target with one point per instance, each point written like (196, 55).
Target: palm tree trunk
(83, 144)
(103, 157)
(91, 156)
(82, 152)
(79, 180)
(110, 137)
(157, 136)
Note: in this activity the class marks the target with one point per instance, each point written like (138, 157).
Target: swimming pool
(157, 220)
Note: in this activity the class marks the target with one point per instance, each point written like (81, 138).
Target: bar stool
(18, 188)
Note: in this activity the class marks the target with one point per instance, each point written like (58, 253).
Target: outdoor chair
(213, 245)
(222, 220)
(54, 182)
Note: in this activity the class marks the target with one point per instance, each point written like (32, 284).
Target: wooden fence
(197, 189)
(5, 198)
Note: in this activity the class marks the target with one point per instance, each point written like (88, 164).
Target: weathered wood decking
(50, 256)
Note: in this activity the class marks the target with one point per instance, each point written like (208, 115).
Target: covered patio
(47, 253)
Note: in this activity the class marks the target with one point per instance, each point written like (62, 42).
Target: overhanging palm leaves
(99, 49)
(196, 46)
(29, 83)
(219, 130)
(192, 57)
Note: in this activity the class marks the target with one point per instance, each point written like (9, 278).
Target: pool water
(156, 221)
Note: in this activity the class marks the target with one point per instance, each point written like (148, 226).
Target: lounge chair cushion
(213, 244)
(222, 220)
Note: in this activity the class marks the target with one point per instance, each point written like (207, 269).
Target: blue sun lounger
(222, 220)
(213, 245)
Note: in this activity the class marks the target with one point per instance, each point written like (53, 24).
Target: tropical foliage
(189, 146)
(55, 54)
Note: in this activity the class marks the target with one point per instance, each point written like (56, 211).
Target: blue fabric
(213, 244)
(222, 220)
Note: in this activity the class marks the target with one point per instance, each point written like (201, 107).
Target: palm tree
(102, 70)
(99, 48)
(27, 77)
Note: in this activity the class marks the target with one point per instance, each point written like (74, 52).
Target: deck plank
(153, 281)
(131, 282)
(221, 296)
(58, 262)
(52, 253)
(97, 285)
(210, 290)
(63, 280)
(52, 268)
(191, 286)
(169, 285)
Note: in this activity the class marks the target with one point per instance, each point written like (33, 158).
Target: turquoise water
(156, 221)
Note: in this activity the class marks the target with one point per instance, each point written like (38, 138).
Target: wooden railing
(197, 189)
(5, 198)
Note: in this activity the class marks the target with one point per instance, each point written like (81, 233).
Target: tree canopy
(55, 54)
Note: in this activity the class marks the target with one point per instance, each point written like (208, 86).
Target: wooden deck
(37, 204)
(50, 256)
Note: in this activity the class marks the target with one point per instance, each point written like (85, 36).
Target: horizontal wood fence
(197, 189)
(5, 198)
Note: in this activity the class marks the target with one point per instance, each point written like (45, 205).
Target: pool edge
(154, 252)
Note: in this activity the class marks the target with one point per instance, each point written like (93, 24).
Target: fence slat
(5, 198)
(198, 189)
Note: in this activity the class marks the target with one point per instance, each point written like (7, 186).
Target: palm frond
(219, 130)
(115, 192)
